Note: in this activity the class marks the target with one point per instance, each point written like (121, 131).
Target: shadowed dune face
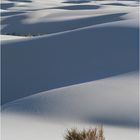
(119, 4)
(10, 13)
(66, 59)
(77, 1)
(6, 5)
(116, 4)
(20, 28)
(78, 7)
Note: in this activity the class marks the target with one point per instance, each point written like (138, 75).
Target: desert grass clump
(90, 134)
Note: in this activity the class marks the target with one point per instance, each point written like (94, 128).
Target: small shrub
(90, 134)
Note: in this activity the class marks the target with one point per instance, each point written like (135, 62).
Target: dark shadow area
(29, 67)
(121, 4)
(78, 7)
(116, 4)
(10, 13)
(77, 2)
(53, 27)
(5, 6)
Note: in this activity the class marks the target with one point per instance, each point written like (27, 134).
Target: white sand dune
(17, 127)
(109, 101)
(7, 38)
(79, 68)
(112, 102)
(51, 18)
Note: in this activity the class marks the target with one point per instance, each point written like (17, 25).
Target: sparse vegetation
(90, 134)
(23, 35)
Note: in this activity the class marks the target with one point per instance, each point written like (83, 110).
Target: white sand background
(69, 64)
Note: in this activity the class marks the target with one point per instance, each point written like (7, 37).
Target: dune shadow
(115, 4)
(29, 67)
(10, 13)
(5, 6)
(77, 1)
(119, 4)
(78, 7)
(53, 27)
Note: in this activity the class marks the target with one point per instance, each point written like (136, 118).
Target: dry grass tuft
(90, 134)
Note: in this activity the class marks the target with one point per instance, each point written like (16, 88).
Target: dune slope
(67, 58)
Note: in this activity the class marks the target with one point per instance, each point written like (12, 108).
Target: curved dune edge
(111, 101)
(42, 116)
